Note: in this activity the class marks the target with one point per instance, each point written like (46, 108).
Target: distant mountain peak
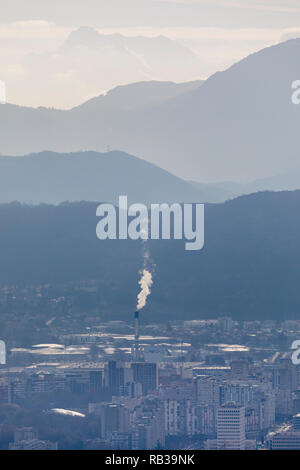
(90, 37)
(85, 35)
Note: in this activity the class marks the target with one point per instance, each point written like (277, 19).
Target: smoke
(145, 282)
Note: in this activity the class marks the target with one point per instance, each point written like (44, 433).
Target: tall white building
(207, 390)
(180, 417)
(231, 427)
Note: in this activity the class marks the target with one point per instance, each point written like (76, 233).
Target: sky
(38, 71)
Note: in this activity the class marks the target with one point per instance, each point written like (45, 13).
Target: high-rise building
(172, 413)
(148, 432)
(180, 417)
(112, 377)
(296, 422)
(237, 392)
(285, 440)
(25, 434)
(113, 418)
(266, 410)
(285, 382)
(115, 377)
(96, 379)
(27, 439)
(231, 427)
(205, 419)
(287, 437)
(207, 390)
(146, 374)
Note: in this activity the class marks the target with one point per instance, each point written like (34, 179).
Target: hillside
(240, 125)
(248, 268)
(89, 176)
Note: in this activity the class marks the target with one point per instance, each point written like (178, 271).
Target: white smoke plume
(145, 282)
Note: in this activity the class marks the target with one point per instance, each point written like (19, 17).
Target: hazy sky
(38, 72)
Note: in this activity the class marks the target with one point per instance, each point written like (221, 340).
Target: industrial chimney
(136, 346)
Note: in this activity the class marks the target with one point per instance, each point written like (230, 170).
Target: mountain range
(222, 191)
(248, 267)
(239, 125)
(53, 178)
(88, 63)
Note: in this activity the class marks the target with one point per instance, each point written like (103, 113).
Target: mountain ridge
(49, 177)
(239, 125)
(248, 268)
